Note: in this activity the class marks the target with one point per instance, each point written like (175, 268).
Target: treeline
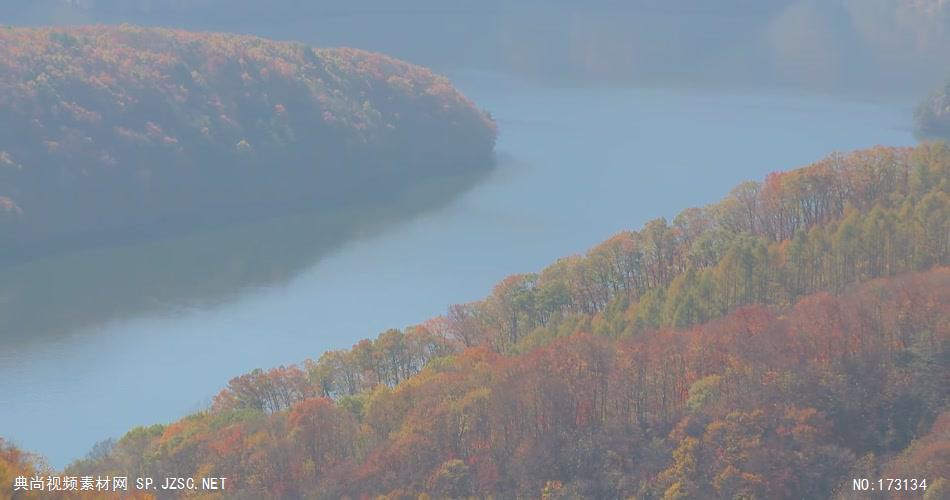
(825, 227)
(843, 220)
(838, 45)
(111, 129)
(731, 353)
(765, 403)
(16, 463)
(932, 117)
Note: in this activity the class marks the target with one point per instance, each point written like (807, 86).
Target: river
(98, 342)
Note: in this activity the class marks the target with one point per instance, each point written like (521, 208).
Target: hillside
(837, 45)
(110, 131)
(774, 344)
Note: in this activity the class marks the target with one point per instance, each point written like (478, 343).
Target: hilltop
(833, 45)
(124, 130)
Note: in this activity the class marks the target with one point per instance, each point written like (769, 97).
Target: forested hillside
(772, 345)
(15, 463)
(840, 45)
(114, 130)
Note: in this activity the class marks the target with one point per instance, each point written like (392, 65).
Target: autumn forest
(771, 345)
(788, 340)
(126, 132)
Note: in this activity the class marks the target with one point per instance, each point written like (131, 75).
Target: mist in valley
(557, 125)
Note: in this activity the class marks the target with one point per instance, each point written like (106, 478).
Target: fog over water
(163, 331)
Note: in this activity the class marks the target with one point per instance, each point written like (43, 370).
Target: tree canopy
(103, 129)
(774, 344)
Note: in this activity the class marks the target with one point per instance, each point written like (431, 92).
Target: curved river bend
(576, 165)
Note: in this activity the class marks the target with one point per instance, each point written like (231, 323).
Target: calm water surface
(163, 326)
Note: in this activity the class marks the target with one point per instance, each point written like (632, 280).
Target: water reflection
(52, 296)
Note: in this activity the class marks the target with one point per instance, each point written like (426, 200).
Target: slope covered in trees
(16, 463)
(841, 45)
(774, 344)
(111, 129)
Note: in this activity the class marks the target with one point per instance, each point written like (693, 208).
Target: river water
(95, 343)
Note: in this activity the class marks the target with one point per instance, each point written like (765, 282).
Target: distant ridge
(106, 130)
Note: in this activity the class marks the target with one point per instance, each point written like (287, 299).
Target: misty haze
(370, 248)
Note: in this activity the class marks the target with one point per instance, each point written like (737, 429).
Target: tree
(451, 480)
